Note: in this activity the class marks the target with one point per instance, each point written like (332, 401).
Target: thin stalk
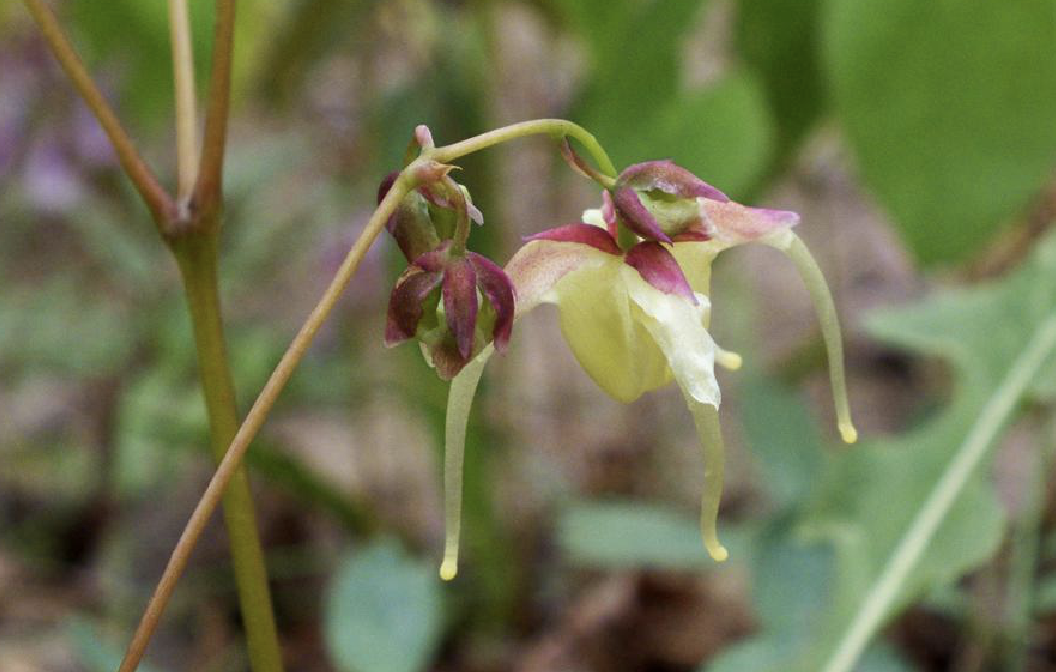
(186, 106)
(154, 195)
(557, 128)
(198, 261)
(211, 168)
(991, 419)
(229, 466)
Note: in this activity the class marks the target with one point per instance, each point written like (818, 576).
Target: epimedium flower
(631, 285)
(453, 301)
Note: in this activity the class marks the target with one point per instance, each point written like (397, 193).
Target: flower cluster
(631, 284)
(455, 302)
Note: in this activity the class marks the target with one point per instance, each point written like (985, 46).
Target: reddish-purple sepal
(460, 303)
(447, 361)
(737, 223)
(669, 177)
(585, 234)
(636, 215)
(405, 303)
(658, 267)
(608, 213)
(496, 286)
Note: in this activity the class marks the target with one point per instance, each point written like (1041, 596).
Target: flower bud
(454, 305)
(658, 200)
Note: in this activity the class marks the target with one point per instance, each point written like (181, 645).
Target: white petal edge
(677, 326)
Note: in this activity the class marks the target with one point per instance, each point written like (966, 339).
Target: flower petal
(584, 234)
(598, 322)
(678, 329)
(736, 223)
(540, 264)
(636, 215)
(497, 287)
(657, 267)
(460, 303)
(459, 403)
(706, 419)
(669, 177)
(695, 259)
(405, 304)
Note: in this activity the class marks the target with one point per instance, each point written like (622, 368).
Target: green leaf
(870, 497)
(383, 611)
(630, 534)
(996, 338)
(626, 534)
(778, 40)
(949, 106)
(783, 438)
(723, 133)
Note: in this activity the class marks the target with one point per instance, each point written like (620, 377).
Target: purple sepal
(658, 267)
(608, 213)
(405, 303)
(460, 303)
(386, 184)
(585, 234)
(434, 260)
(738, 223)
(498, 289)
(636, 215)
(446, 359)
(669, 177)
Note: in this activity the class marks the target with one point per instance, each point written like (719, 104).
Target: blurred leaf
(596, 20)
(625, 534)
(142, 58)
(1044, 599)
(94, 654)
(723, 133)
(36, 329)
(949, 107)
(868, 496)
(783, 437)
(778, 39)
(158, 412)
(630, 534)
(383, 611)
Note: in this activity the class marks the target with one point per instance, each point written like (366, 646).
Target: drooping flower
(631, 284)
(453, 301)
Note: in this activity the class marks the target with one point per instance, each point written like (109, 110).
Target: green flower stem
(197, 256)
(556, 128)
(209, 187)
(991, 419)
(229, 466)
(154, 195)
(186, 107)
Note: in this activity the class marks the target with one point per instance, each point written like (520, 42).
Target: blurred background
(918, 142)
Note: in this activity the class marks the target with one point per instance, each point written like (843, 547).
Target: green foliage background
(943, 112)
